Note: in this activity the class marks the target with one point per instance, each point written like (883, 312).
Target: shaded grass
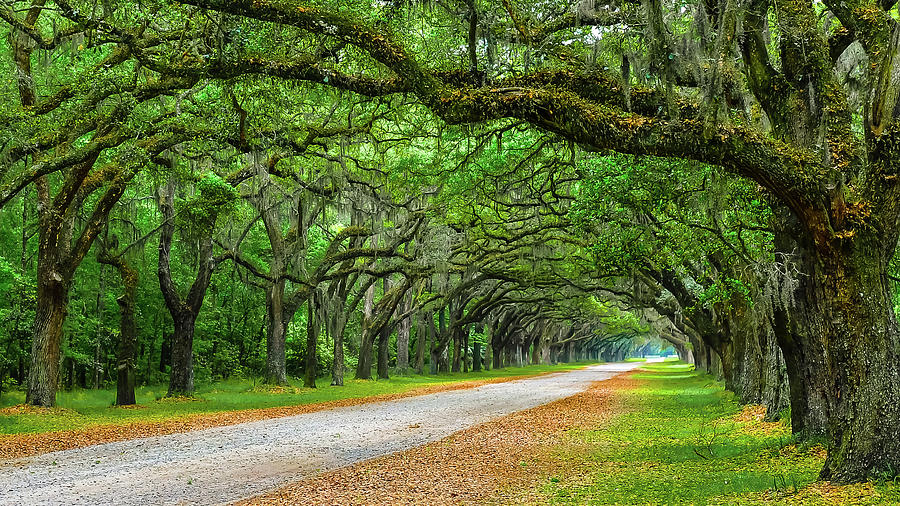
(79, 409)
(685, 440)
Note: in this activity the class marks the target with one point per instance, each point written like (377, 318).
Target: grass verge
(685, 440)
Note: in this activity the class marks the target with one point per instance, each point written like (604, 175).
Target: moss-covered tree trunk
(798, 324)
(367, 339)
(276, 329)
(52, 302)
(184, 311)
(181, 376)
(863, 346)
(384, 353)
(127, 347)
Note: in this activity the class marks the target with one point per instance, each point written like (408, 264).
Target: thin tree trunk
(181, 377)
(457, 351)
(276, 330)
(101, 306)
(312, 340)
(367, 340)
(488, 359)
(127, 347)
(125, 357)
(384, 342)
(337, 367)
(465, 350)
(421, 342)
(403, 331)
(184, 312)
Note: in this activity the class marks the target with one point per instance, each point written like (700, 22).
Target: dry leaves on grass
(499, 461)
(25, 409)
(822, 493)
(753, 421)
(25, 445)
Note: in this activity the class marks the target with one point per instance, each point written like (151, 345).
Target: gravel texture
(224, 464)
(14, 446)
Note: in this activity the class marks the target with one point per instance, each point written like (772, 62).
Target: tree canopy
(286, 188)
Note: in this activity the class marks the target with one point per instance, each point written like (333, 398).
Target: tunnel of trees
(197, 189)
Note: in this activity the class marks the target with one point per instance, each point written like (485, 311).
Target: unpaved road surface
(224, 464)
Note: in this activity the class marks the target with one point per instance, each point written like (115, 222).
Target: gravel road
(224, 464)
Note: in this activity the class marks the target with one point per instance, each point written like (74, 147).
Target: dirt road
(229, 463)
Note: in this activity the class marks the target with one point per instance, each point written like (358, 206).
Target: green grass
(81, 409)
(635, 359)
(679, 443)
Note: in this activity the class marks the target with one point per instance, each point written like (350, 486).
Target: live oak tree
(482, 122)
(79, 140)
(773, 111)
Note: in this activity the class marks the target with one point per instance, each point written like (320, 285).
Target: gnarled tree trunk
(863, 345)
(184, 312)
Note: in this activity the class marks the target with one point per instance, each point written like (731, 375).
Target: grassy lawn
(80, 409)
(684, 440)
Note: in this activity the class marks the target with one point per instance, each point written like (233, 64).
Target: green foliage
(214, 197)
(724, 291)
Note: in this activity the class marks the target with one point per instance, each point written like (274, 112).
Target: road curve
(223, 464)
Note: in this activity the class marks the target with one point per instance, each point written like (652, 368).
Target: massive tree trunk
(863, 345)
(797, 323)
(457, 351)
(337, 325)
(384, 353)
(700, 358)
(336, 317)
(498, 347)
(775, 384)
(476, 356)
(52, 301)
(337, 367)
(433, 349)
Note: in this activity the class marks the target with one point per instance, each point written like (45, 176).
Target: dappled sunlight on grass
(687, 441)
(647, 375)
